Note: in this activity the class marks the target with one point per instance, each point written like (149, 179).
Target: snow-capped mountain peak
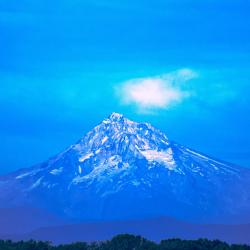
(119, 136)
(130, 165)
(116, 116)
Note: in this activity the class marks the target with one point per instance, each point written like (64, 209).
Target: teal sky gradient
(62, 62)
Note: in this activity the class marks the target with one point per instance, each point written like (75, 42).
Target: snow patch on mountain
(85, 157)
(104, 139)
(164, 157)
(79, 169)
(36, 184)
(56, 171)
(27, 174)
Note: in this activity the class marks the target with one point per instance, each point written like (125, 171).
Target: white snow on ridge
(56, 171)
(78, 179)
(104, 139)
(136, 183)
(161, 157)
(36, 184)
(23, 175)
(79, 169)
(31, 173)
(116, 115)
(197, 154)
(98, 151)
(85, 157)
(207, 158)
(106, 121)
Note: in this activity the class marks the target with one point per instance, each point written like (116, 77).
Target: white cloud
(158, 92)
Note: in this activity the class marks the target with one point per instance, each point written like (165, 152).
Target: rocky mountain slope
(127, 170)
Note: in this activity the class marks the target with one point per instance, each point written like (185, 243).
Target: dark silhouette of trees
(125, 242)
(128, 242)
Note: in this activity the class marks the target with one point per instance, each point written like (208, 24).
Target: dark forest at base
(125, 242)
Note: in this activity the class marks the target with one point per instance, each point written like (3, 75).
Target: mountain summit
(127, 170)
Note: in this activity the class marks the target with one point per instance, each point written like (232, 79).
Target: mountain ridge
(128, 170)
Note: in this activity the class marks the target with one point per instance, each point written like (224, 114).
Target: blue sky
(66, 65)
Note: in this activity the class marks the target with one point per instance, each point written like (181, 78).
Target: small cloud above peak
(157, 92)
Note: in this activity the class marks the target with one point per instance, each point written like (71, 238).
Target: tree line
(125, 242)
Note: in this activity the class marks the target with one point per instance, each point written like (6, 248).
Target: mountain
(123, 170)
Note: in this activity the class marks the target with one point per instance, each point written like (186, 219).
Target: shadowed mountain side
(153, 229)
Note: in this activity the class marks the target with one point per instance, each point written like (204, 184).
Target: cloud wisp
(159, 92)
